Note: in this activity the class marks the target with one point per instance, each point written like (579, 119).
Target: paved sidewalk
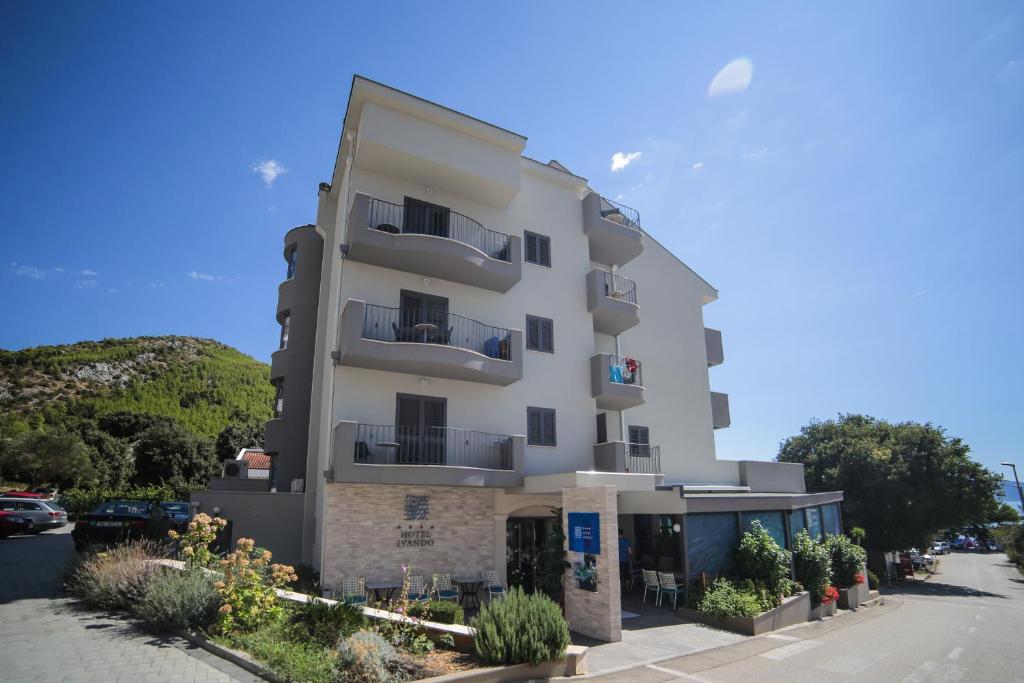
(46, 637)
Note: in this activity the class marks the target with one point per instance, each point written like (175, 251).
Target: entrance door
(424, 218)
(526, 560)
(639, 441)
(420, 429)
(419, 308)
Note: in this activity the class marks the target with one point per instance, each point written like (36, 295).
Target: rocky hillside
(200, 383)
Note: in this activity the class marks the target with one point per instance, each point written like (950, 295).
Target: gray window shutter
(533, 426)
(532, 333)
(544, 251)
(548, 434)
(531, 248)
(547, 340)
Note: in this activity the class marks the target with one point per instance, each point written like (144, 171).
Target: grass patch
(272, 646)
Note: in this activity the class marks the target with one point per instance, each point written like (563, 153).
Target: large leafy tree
(57, 458)
(170, 454)
(245, 433)
(902, 482)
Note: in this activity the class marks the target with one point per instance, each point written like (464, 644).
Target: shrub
(441, 611)
(847, 560)
(247, 589)
(324, 623)
(115, 579)
(761, 559)
(81, 500)
(520, 628)
(830, 596)
(365, 657)
(872, 580)
(176, 599)
(195, 542)
(308, 581)
(273, 644)
(724, 600)
(813, 565)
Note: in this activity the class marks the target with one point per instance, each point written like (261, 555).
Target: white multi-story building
(472, 340)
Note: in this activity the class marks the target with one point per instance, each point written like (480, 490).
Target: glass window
(711, 541)
(292, 255)
(796, 523)
(285, 328)
(540, 334)
(538, 248)
(772, 523)
(830, 519)
(279, 399)
(814, 522)
(540, 427)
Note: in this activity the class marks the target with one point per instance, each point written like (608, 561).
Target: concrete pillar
(595, 614)
(500, 548)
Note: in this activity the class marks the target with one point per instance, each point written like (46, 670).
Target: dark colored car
(13, 523)
(178, 513)
(117, 521)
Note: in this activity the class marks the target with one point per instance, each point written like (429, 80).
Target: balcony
(437, 243)
(278, 364)
(720, 410)
(613, 229)
(616, 383)
(446, 456)
(619, 456)
(713, 344)
(440, 345)
(274, 436)
(612, 300)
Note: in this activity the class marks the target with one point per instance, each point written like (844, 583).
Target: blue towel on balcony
(492, 347)
(615, 372)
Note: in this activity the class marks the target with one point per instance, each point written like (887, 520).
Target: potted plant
(585, 575)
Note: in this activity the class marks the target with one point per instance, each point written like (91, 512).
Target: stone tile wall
(598, 615)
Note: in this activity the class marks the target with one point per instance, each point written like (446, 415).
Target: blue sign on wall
(585, 532)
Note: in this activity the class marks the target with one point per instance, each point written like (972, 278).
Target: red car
(13, 523)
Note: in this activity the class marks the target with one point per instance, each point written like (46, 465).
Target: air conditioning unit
(236, 469)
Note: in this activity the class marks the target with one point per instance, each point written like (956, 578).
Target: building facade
(473, 341)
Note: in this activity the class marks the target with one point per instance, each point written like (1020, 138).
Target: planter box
(822, 611)
(793, 610)
(854, 596)
(574, 664)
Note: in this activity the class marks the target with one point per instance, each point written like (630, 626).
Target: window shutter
(532, 333)
(531, 248)
(533, 426)
(547, 340)
(548, 435)
(544, 251)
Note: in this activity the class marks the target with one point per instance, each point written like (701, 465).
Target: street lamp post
(1020, 494)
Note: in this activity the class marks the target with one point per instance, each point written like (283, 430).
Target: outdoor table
(425, 328)
(469, 590)
(383, 590)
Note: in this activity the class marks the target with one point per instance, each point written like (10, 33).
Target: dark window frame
(540, 322)
(293, 255)
(539, 240)
(286, 328)
(542, 413)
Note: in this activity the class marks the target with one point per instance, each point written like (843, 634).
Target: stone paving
(47, 637)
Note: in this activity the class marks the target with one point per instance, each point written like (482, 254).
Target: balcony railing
(643, 458)
(620, 213)
(625, 370)
(447, 446)
(435, 327)
(392, 218)
(618, 287)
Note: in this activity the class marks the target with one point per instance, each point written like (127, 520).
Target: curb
(237, 658)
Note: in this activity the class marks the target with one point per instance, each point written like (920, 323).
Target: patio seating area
(467, 590)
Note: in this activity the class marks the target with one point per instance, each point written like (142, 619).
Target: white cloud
(621, 160)
(269, 170)
(916, 294)
(85, 284)
(28, 271)
(206, 277)
(733, 78)
(697, 166)
(88, 273)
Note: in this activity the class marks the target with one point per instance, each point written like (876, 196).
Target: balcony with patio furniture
(612, 301)
(613, 230)
(432, 240)
(430, 343)
(616, 382)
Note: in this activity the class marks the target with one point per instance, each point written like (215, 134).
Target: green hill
(200, 383)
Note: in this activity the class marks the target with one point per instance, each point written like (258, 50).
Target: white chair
(668, 586)
(443, 589)
(418, 589)
(490, 581)
(353, 590)
(651, 584)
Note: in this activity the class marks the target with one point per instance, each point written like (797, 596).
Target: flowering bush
(763, 561)
(408, 635)
(858, 577)
(847, 560)
(248, 588)
(195, 542)
(830, 596)
(813, 565)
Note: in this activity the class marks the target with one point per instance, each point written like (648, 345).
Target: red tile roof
(256, 459)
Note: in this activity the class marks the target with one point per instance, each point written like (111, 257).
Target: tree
(56, 458)
(237, 436)
(902, 482)
(127, 425)
(170, 454)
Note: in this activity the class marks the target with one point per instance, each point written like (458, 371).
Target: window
(279, 399)
(796, 523)
(639, 440)
(538, 248)
(291, 262)
(285, 327)
(540, 427)
(602, 428)
(772, 523)
(424, 218)
(711, 541)
(540, 334)
(830, 519)
(420, 423)
(814, 522)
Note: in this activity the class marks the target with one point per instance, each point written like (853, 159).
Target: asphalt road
(966, 623)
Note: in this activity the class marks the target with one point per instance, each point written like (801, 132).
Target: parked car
(178, 512)
(920, 561)
(970, 543)
(45, 514)
(940, 548)
(117, 521)
(991, 546)
(12, 523)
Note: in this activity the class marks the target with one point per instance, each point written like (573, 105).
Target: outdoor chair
(442, 588)
(651, 584)
(353, 590)
(417, 589)
(490, 581)
(667, 581)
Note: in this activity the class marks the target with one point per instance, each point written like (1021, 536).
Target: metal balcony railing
(619, 287)
(625, 370)
(620, 213)
(435, 327)
(452, 225)
(448, 446)
(643, 458)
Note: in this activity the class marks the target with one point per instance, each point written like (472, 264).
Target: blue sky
(858, 203)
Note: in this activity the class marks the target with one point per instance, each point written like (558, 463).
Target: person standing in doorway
(625, 561)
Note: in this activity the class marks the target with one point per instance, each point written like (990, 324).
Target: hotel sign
(585, 532)
(416, 508)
